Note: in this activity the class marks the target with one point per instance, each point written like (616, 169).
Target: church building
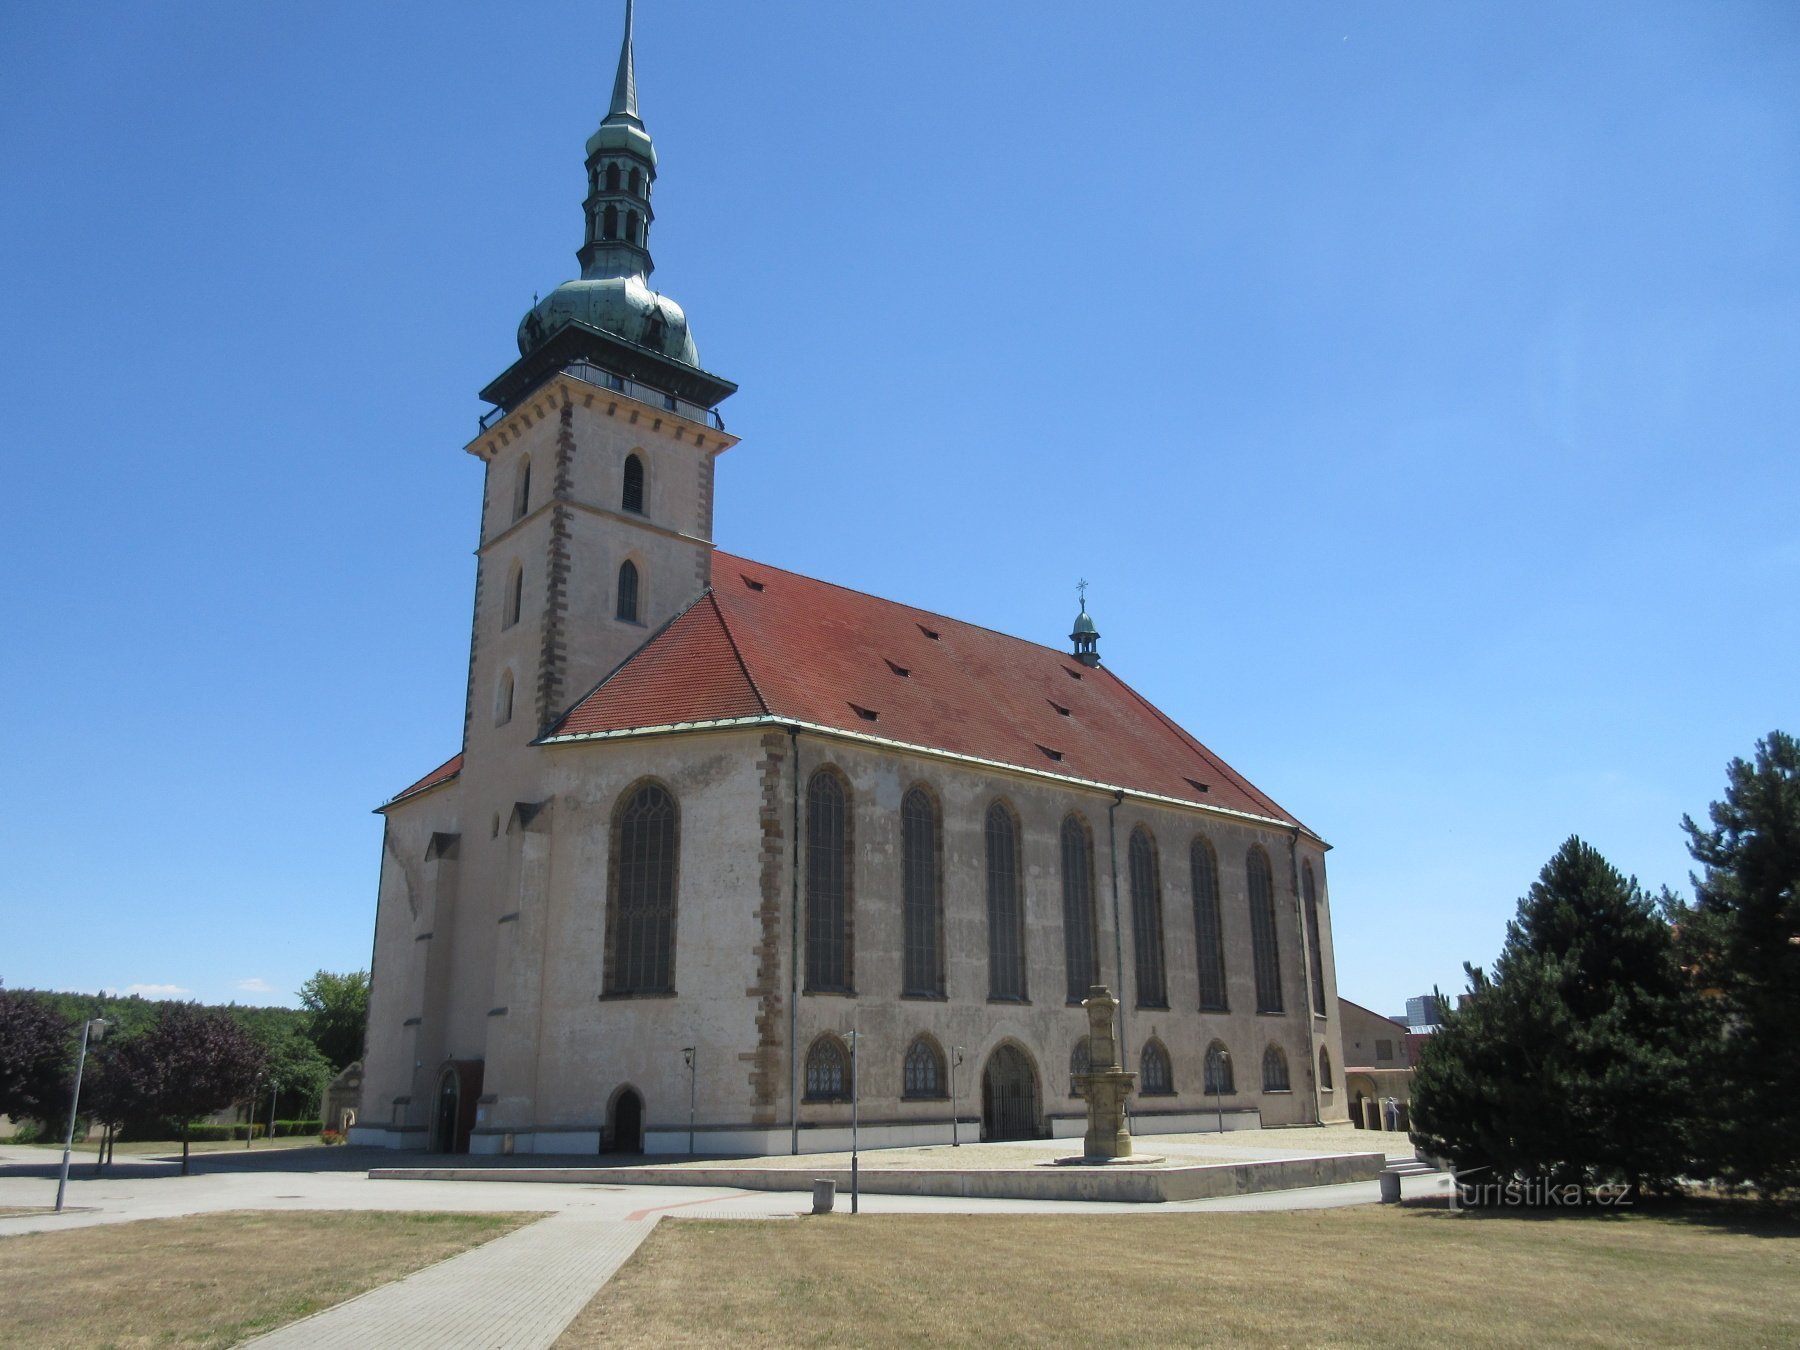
(724, 843)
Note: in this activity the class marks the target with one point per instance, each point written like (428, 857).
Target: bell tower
(596, 524)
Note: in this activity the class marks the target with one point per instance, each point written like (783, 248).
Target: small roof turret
(1084, 635)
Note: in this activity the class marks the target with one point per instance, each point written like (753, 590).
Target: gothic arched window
(923, 1070)
(627, 611)
(1218, 1070)
(1275, 1074)
(1209, 931)
(1080, 952)
(1262, 932)
(1006, 910)
(1080, 1061)
(640, 909)
(828, 953)
(632, 498)
(1310, 894)
(1146, 920)
(827, 1071)
(1155, 1077)
(921, 904)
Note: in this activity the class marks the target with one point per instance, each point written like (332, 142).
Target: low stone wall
(1145, 1184)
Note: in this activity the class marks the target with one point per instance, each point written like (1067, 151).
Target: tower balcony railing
(589, 373)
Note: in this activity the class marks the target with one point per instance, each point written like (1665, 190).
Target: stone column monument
(1105, 1085)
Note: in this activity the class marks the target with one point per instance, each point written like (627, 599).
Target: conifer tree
(1741, 942)
(1570, 1064)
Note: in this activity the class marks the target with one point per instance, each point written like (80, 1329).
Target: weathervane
(1081, 590)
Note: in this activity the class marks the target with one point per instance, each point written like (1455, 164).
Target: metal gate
(1009, 1096)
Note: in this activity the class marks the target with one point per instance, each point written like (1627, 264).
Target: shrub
(289, 1128)
(330, 1137)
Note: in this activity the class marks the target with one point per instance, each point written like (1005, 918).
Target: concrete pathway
(517, 1292)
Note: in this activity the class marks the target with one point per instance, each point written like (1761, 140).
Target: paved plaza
(523, 1289)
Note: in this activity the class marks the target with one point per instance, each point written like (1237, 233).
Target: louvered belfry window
(827, 886)
(642, 913)
(1262, 932)
(1146, 921)
(1209, 932)
(923, 971)
(1310, 893)
(1080, 953)
(632, 499)
(1006, 911)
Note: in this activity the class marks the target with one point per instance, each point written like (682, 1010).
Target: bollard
(824, 1195)
(1390, 1188)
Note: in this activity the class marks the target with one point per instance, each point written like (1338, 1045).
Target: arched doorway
(624, 1131)
(454, 1105)
(1009, 1096)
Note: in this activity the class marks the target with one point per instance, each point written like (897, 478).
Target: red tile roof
(769, 643)
(442, 774)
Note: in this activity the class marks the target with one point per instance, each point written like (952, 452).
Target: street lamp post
(274, 1087)
(687, 1054)
(956, 1059)
(97, 1029)
(855, 1086)
(1219, 1087)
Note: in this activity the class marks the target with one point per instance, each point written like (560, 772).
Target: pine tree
(1570, 1063)
(1741, 942)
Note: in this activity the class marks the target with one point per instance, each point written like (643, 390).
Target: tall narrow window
(612, 177)
(637, 182)
(1218, 1071)
(515, 597)
(922, 974)
(1262, 932)
(609, 222)
(1209, 932)
(631, 233)
(1146, 921)
(632, 499)
(923, 1070)
(1275, 1074)
(828, 968)
(1155, 1076)
(1080, 951)
(827, 1071)
(641, 909)
(1325, 1069)
(1310, 894)
(628, 592)
(1006, 910)
(522, 488)
(503, 699)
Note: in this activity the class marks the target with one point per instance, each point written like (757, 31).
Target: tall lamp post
(1218, 1086)
(687, 1055)
(96, 1029)
(956, 1059)
(274, 1087)
(855, 1085)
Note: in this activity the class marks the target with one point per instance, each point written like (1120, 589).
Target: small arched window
(1155, 1077)
(503, 699)
(827, 1071)
(612, 177)
(637, 183)
(1209, 932)
(1146, 920)
(1309, 892)
(631, 230)
(632, 498)
(1080, 1061)
(1006, 911)
(1081, 959)
(920, 900)
(609, 222)
(1262, 932)
(522, 488)
(640, 917)
(1325, 1069)
(515, 597)
(1275, 1074)
(828, 961)
(1218, 1070)
(924, 1069)
(628, 592)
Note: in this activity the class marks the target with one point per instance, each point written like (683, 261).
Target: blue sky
(1414, 383)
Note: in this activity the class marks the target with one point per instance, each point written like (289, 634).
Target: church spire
(624, 96)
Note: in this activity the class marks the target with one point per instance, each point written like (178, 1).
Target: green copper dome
(1084, 626)
(622, 306)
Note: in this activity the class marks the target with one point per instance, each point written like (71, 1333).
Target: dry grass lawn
(1368, 1275)
(213, 1279)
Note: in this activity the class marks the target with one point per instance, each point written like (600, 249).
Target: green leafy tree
(295, 1063)
(37, 1045)
(191, 1062)
(1563, 1067)
(337, 1008)
(1741, 942)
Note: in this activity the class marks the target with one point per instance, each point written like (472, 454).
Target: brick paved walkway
(517, 1292)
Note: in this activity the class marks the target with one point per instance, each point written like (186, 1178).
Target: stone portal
(1106, 1085)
